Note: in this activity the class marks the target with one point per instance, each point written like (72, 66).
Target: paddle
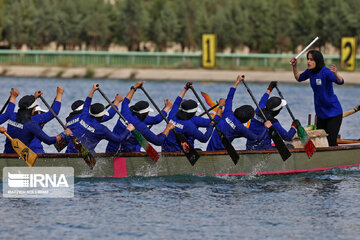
(224, 140)
(275, 136)
(22, 150)
(85, 154)
(5, 105)
(303, 136)
(189, 150)
(208, 100)
(153, 154)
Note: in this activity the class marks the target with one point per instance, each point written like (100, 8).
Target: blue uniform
(9, 110)
(186, 127)
(26, 132)
(257, 126)
(231, 127)
(90, 132)
(131, 144)
(326, 103)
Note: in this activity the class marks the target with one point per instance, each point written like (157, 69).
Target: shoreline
(205, 75)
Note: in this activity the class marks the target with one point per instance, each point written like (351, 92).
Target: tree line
(271, 26)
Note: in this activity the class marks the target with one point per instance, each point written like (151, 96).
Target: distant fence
(153, 59)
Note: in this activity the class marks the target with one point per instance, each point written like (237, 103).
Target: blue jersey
(186, 127)
(257, 126)
(21, 131)
(131, 144)
(231, 127)
(9, 111)
(35, 144)
(90, 132)
(326, 103)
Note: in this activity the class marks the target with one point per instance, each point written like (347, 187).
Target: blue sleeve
(229, 100)
(112, 137)
(151, 120)
(46, 117)
(111, 114)
(286, 135)
(243, 131)
(263, 101)
(175, 107)
(191, 130)
(330, 75)
(87, 104)
(9, 110)
(149, 135)
(200, 121)
(41, 135)
(304, 76)
(125, 110)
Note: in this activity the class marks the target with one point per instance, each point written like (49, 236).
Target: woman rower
(138, 115)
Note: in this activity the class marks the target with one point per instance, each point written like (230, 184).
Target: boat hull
(210, 163)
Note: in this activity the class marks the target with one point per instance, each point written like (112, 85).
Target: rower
(232, 123)
(89, 130)
(35, 144)
(25, 126)
(138, 115)
(181, 115)
(78, 105)
(271, 107)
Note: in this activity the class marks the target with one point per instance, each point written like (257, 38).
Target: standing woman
(327, 106)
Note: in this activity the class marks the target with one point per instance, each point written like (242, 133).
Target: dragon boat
(264, 162)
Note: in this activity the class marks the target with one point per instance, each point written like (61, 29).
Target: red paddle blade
(153, 154)
(309, 148)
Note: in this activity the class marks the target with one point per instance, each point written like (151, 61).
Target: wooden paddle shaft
(8, 136)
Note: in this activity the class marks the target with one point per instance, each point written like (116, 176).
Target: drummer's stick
(307, 47)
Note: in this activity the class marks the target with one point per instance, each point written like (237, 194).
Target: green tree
(186, 12)
(261, 34)
(166, 27)
(20, 24)
(230, 25)
(304, 23)
(281, 14)
(131, 24)
(96, 24)
(70, 24)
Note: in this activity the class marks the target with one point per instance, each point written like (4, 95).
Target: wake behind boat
(265, 162)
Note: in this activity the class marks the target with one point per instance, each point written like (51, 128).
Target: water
(306, 206)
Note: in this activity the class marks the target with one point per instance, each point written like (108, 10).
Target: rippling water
(306, 206)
